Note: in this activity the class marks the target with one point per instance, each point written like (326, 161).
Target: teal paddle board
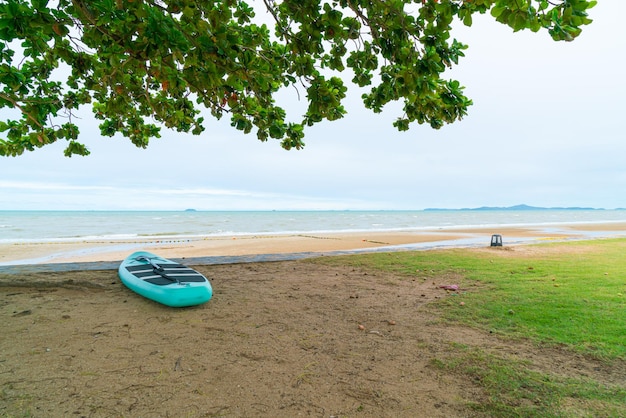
(164, 281)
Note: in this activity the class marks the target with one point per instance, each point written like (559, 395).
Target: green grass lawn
(569, 295)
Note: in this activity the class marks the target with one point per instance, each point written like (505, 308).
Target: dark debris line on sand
(191, 261)
(113, 265)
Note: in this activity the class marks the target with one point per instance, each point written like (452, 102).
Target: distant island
(517, 207)
(190, 210)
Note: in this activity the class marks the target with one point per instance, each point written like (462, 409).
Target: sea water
(51, 226)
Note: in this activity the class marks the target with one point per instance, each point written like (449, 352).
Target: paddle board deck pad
(164, 281)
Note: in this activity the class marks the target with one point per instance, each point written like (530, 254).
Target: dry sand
(278, 339)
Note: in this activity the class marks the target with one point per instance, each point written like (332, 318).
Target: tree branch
(24, 112)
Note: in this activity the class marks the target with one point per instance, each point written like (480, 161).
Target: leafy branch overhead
(144, 64)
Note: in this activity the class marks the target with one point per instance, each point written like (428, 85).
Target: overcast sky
(546, 129)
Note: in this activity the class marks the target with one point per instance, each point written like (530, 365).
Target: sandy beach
(278, 339)
(116, 250)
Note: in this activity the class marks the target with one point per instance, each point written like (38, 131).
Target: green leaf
(134, 62)
(467, 20)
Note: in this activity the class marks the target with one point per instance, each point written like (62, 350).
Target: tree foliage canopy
(144, 64)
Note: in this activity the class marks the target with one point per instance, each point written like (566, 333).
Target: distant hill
(518, 207)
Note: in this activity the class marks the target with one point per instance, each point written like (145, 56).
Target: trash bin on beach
(496, 240)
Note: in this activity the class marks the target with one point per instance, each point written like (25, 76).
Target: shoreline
(98, 250)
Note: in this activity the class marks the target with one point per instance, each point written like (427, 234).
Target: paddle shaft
(158, 269)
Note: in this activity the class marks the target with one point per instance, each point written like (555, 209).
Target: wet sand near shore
(112, 250)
